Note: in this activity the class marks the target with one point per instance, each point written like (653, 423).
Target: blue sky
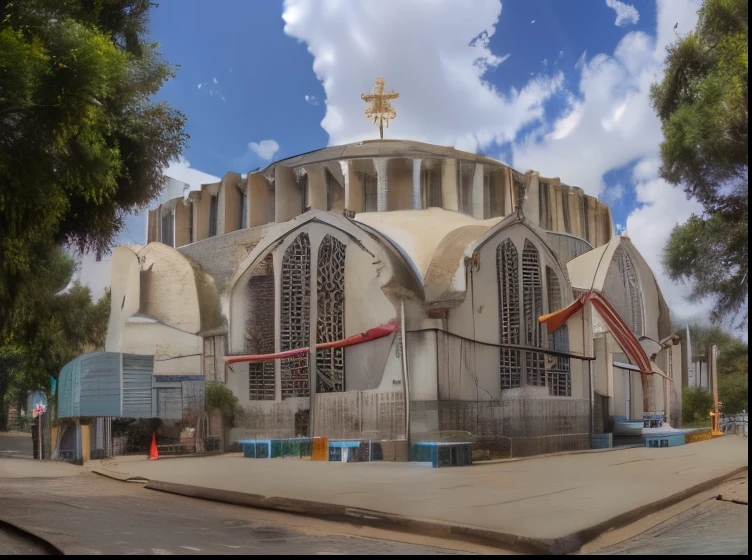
(560, 86)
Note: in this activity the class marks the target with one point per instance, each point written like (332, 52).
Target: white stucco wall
(175, 352)
(125, 294)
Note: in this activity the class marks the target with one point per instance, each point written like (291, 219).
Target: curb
(124, 478)
(33, 536)
(559, 545)
(555, 454)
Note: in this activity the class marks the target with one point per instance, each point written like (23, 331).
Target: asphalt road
(16, 444)
(712, 526)
(84, 513)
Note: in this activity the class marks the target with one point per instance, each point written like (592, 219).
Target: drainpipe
(592, 399)
(405, 378)
(417, 203)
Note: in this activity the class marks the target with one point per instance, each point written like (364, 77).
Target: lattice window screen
(261, 381)
(532, 306)
(295, 315)
(260, 330)
(509, 313)
(559, 376)
(330, 282)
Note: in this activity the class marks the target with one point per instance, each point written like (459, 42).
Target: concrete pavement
(78, 512)
(548, 504)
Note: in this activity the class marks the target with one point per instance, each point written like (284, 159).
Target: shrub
(697, 404)
(219, 396)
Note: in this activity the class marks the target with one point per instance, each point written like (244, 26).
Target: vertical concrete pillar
(277, 265)
(509, 192)
(382, 184)
(353, 187)
(479, 199)
(531, 204)
(287, 195)
(259, 193)
(449, 185)
(230, 203)
(576, 221)
(316, 187)
(313, 334)
(417, 202)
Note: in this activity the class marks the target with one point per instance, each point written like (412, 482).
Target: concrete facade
(432, 240)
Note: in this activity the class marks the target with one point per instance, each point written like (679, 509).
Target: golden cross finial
(380, 109)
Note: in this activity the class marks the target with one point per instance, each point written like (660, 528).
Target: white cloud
(580, 64)
(215, 80)
(264, 149)
(626, 14)
(435, 53)
(610, 124)
(613, 194)
(532, 22)
(661, 207)
(311, 99)
(181, 170)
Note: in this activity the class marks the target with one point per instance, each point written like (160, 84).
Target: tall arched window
(330, 283)
(259, 335)
(295, 313)
(559, 375)
(509, 313)
(532, 306)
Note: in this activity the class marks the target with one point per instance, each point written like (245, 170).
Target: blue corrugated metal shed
(95, 385)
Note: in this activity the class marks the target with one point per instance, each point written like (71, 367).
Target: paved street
(90, 514)
(16, 444)
(711, 526)
(13, 543)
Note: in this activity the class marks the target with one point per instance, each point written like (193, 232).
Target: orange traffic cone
(153, 453)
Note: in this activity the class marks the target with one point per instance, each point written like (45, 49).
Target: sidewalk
(550, 504)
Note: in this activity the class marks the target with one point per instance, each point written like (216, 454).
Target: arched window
(295, 313)
(259, 334)
(330, 283)
(532, 305)
(559, 374)
(509, 313)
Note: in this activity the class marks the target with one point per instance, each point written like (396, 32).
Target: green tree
(703, 106)
(733, 364)
(81, 141)
(733, 393)
(697, 404)
(52, 325)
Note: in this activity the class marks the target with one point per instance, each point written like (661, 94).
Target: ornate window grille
(532, 305)
(294, 328)
(260, 330)
(330, 282)
(261, 381)
(510, 368)
(559, 376)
